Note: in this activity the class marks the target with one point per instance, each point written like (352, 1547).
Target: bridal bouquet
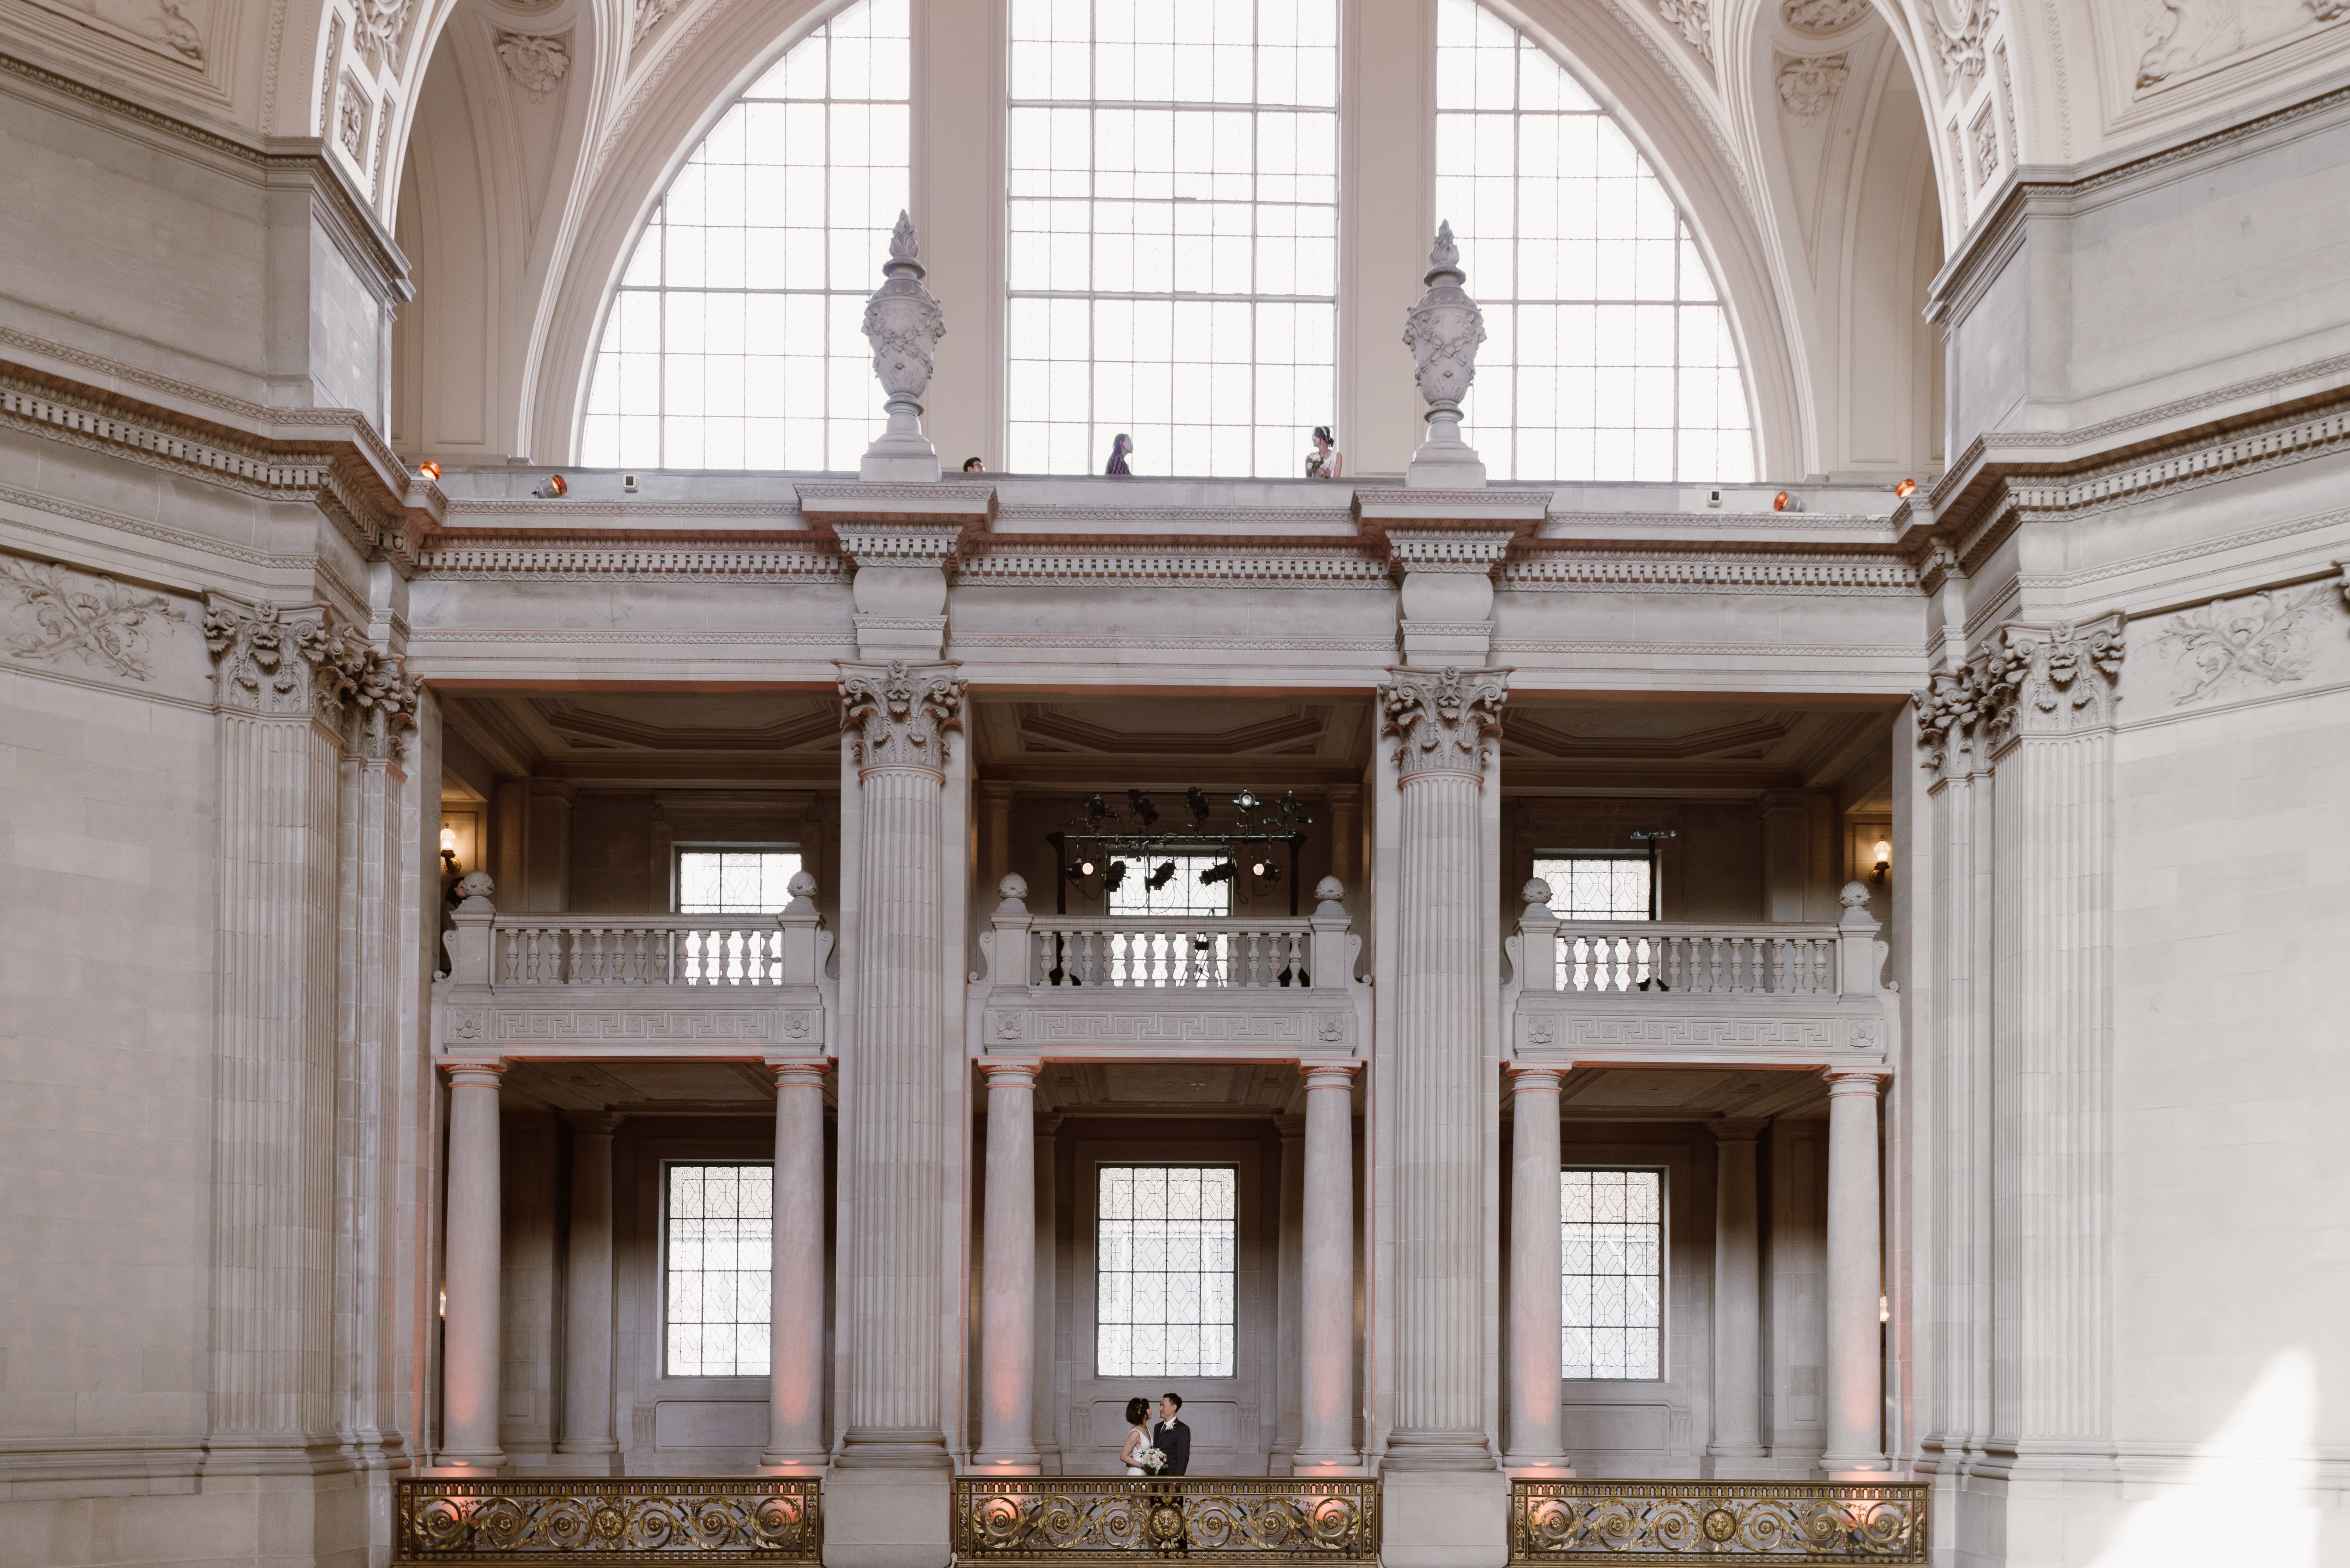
(1151, 1459)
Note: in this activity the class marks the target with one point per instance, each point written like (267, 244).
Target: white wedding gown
(1137, 1470)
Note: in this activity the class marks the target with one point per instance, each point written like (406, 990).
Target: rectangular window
(1612, 1273)
(1177, 890)
(1599, 885)
(717, 1236)
(1165, 1252)
(729, 880)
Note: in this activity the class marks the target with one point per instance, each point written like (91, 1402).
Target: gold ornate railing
(640, 1519)
(1716, 1522)
(1201, 1519)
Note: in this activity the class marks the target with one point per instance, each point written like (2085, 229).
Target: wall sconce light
(429, 470)
(1884, 860)
(1905, 489)
(449, 848)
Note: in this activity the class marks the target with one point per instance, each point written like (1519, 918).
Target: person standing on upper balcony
(1118, 450)
(1327, 461)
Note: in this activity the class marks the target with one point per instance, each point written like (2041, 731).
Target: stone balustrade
(1652, 958)
(636, 950)
(1201, 954)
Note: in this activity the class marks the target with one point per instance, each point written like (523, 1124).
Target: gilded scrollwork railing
(1716, 1522)
(1201, 1519)
(643, 1518)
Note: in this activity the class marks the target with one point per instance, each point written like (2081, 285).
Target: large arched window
(735, 338)
(1609, 354)
(1174, 265)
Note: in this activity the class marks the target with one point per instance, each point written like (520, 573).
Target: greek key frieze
(540, 1026)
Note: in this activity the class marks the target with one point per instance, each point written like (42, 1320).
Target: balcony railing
(636, 950)
(1706, 961)
(1191, 1518)
(1716, 1522)
(766, 1519)
(1169, 952)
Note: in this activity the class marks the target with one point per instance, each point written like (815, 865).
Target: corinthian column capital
(1444, 717)
(2049, 679)
(298, 662)
(897, 714)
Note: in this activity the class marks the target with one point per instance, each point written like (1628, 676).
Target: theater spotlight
(1114, 877)
(1139, 803)
(1222, 872)
(1198, 801)
(1160, 878)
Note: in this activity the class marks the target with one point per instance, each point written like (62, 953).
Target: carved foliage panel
(2232, 650)
(86, 623)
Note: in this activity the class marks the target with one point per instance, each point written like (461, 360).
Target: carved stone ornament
(902, 322)
(1960, 44)
(307, 666)
(649, 14)
(2184, 35)
(1695, 19)
(899, 716)
(60, 615)
(1823, 15)
(380, 23)
(1807, 86)
(351, 121)
(2254, 642)
(160, 25)
(2032, 681)
(537, 62)
(1446, 718)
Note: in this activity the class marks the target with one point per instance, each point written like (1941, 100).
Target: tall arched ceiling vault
(1829, 152)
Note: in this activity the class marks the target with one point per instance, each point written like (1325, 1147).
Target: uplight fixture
(1884, 859)
(1905, 489)
(429, 470)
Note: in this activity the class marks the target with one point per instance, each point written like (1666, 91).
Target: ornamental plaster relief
(2031, 681)
(2254, 646)
(1808, 85)
(897, 715)
(2187, 39)
(57, 616)
(1445, 720)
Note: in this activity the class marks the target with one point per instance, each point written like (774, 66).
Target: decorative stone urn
(1442, 333)
(904, 324)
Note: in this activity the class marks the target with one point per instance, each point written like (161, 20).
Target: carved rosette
(2054, 680)
(308, 664)
(1445, 718)
(902, 321)
(898, 716)
(1444, 330)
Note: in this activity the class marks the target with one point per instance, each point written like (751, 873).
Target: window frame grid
(1662, 1326)
(1232, 1273)
(664, 1264)
(1094, 446)
(1505, 441)
(679, 849)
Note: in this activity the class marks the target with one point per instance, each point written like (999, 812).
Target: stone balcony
(1090, 987)
(1596, 993)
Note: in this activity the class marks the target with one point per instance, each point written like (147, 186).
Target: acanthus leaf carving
(1960, 47)
(1695, 19)
(1809, 84)
(897, 715)
(307, 663)
(2049, 680)
(1823, 15)
(93, 619)
(1446, 720)
(537, 61)
(2262, 640)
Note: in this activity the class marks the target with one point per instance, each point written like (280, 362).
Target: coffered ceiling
(1260, 742)
(624, 738)
(1689, 747)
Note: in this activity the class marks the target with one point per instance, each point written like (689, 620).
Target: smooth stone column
(1737, 1297)
(796, 1438)
(1534, 1262)
(588, 1298)
(471, 1324)
(1290, 1266)
(1326, 1299)
(1855, 1280)
(1007, 1434)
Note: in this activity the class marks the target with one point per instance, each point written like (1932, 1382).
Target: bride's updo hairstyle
(1137, 1411)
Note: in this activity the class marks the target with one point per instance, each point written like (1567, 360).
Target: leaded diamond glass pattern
(719, 1235)
(1174, 261)
(1595, 888)
(1607, 354)
(1165, 1243)
(1181, 894)
(735, 339)
(734, 881)
(1611, 1277)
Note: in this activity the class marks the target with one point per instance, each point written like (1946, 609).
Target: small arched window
(735, 338)
(1609, 354)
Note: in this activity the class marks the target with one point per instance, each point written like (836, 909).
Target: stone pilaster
(1535, 1264)
(1007, 1444)
(1445, 1495)
(587, 1440)
(795, 1436)
(283, 683)
(887, 1501)
(1326, 1300)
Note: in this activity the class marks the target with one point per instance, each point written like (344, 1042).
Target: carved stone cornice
(1473, 550)
(897, 714)
(2054, 680)
(1446, 718)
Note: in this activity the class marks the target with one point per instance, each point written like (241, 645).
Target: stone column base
(1444, 1519)
(887, 1519)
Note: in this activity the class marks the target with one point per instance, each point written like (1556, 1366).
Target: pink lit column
(795, 1443)
(1534, 1262)
(1326, 1300)
(1007, 1436)
(470, 1321)
(1856, 1371)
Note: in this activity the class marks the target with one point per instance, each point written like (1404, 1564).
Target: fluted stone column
(471, 1322)
(1535, 1264)
(887, 1500)
(1445, 1497)
(1327, 1302)
(1856, 1405)
(1007, 1441)
(1737, 1297)
(795, 1436)
(588, 1300)
(285, 685)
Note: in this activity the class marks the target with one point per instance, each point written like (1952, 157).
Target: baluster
(1620, 950)
(1782, 962)
(1675, 952)
(1713, 964)
(530, 969)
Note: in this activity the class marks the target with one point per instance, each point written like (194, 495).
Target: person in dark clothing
(1171, 1437)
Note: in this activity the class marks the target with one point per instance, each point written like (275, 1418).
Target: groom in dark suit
(1171, 1437)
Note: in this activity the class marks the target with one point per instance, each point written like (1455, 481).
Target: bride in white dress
(1138, 1435)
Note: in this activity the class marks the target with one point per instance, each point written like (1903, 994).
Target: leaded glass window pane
(734, 881)
(1611, 1273)
(1596, 887)
(1607, 354)
(1165, 1246)
(1179, 890)
(718, 1240)
(1172, 237)
(735, 338)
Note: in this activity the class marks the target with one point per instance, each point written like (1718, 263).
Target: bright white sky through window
(1612, 1273)
(1608, 355)
(1165, 1253)
(1173, 233)
(718, 1269)
(735, 338)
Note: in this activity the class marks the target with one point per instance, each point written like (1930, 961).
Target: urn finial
(904, 324)
(1442, 331)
